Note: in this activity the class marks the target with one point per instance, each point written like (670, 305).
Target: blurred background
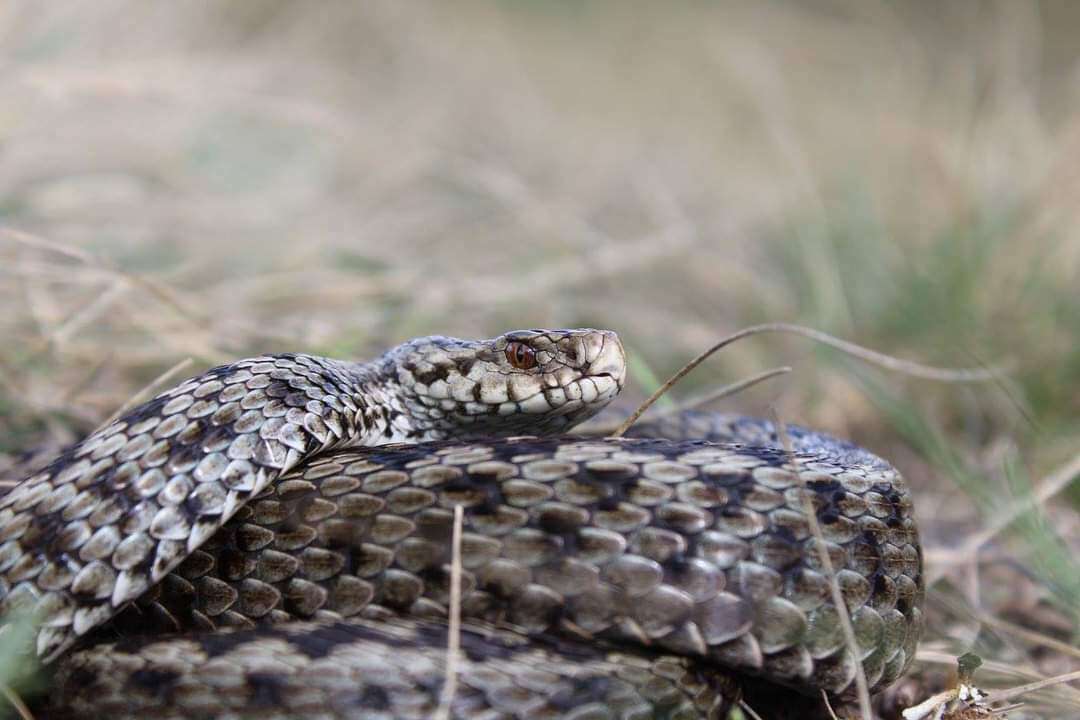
(182, 184)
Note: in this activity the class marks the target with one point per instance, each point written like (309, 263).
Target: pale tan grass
(906, 367)
(746, 708)
(862, 693)
(144, 392)
(1005, 694)
(16, 702)
(698, 401)
(453, 632)
(1053, 484)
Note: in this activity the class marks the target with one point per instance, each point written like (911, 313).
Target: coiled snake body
(268, 518)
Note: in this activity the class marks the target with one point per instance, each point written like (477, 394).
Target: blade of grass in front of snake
(862, 689)
(703, 399)
(906, 367)
(16, 702)
(139, 396)
(453, 632)
(746, 709)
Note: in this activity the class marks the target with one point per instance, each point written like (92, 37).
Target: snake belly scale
(285, 521)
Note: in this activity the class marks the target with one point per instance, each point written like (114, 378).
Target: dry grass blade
(1035, 638)
(1048, 488)
(88, 314)
(88, 380)
(143, 392)
(1007, 694)
(453, 643)
(725, 391)
(1053, 484)
(696, 402)
(41, 243)
(16, 702)
(906, 367)
(159, 291)
(828, 705)
(894, 364)
(862, 690)
(961, 609)
(749, 710)
(1002, 711)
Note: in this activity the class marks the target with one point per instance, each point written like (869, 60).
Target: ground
(182, 184)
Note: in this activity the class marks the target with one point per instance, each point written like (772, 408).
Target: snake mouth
(610, 361)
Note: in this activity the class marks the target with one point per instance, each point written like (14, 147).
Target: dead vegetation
(186, 183)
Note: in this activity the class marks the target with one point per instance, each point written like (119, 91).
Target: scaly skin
(115, 513)
(689, 548)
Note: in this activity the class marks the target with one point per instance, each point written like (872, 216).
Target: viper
(273, 538)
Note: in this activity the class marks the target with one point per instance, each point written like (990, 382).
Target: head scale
(523, 382)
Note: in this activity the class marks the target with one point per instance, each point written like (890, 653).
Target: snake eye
(520, 356)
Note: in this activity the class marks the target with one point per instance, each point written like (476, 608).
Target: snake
(275, 538)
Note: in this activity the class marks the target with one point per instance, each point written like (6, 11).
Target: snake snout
(608, 357)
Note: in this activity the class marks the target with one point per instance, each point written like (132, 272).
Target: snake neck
(379, 405)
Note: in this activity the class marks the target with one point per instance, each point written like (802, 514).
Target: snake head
(523, 382)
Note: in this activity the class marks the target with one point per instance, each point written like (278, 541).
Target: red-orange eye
(520, 355)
